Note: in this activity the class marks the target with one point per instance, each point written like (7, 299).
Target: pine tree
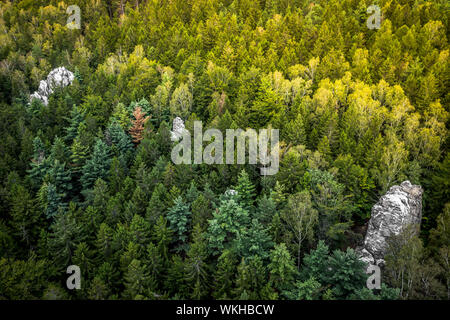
(140, 230)
(192, 193)
(104, 241)
(39, 164)
(246, 191)
(100, 196)
(59, 151)
(50, 201)
(242, 282)
(179, 218)
(60, 177)
(78, 157)
(173, 195)
(281, 267)
(24, 215)
(83, 257)
(133, 251)
(295, 131)
(121, 115)
(196, 265)
(162, 236)
(97, 166)
(137, 126)
(277, 195)
(227, 223)
(116, 176)
(181, 102)
(138, 203)
(266, 210)
(176, 282)
(136, 281)
(120, 142)
(157, 205)
(223, 277)
(155, 266)
(65, 236)
(201, 211)
(98, 290)
(254, 241)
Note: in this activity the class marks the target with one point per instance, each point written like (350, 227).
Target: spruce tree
(136, 281)
(196, 265)
(97, 166)
(246, 191)
(223, 277)
(157, 205)
(179, 220)
(137, 125)
(281, 268)
(39, 164)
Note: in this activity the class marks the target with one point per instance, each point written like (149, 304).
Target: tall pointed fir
(137, 127)
(196, 265)
(97, 166)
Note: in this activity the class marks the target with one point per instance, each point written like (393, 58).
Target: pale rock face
(59, 77)
(177, 129)
(231, 192)
(399, 207)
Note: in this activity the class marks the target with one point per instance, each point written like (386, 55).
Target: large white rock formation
(59, 77)
(399, 207)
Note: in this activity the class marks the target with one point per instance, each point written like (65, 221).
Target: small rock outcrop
(399, 207)
(59, 77)
(231, 192)
(177, 129)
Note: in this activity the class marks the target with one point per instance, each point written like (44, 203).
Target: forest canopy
(87, 178)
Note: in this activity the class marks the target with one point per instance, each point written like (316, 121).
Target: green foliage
(24, 280)
(281, 268)
(228, 222)
(223, 276)
(196, 266)
(97, 166)
(358, 111)
(178, 217)
(342, 272)
(245, 191)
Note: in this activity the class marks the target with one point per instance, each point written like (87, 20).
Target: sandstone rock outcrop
(59, 77)
(399, 207)
(177, 129)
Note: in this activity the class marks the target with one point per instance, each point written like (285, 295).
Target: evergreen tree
(196, 265)
(201, 211)
(97, 166)
(157, 205)
(229, 221)
(24, 215)
(65, 235)
(39, 164)
(136, 281)
(137, 125)
(223, 277)
(76, 117)
(179, 219)
(245, 191)
(281, 268)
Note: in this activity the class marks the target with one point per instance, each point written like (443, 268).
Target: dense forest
(87, 179)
